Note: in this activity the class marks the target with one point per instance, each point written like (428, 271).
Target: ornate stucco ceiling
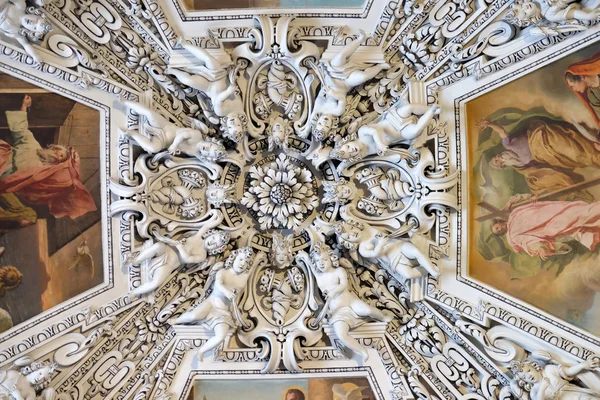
(296, 193)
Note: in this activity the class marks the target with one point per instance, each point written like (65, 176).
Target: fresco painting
(199, 5)
(534, 183)
(50, 229)
(283, 389)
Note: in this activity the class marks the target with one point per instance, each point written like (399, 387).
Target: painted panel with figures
(535, 188)
(284, 389)
(50, 229)
(198, 5)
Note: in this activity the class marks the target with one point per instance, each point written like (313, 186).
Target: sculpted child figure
(376, 245)
(26, 380)
(164, 135)
(23, 23)
(551, 382)
(339, 76)
(345, 311)
(211, 78)
(526, 12)
(164, 259)
(401, 123)
(216, 311)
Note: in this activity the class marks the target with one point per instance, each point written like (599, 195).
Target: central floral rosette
(281, 193)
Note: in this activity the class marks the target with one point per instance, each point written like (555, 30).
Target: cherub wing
(47, 394)
(349, 110)
(548, 31)
(364, 120)
(422, 139)
(212, 274)
(303, 258)
(353, 279)
(22, 362)
(199, 125)
(210, 114)
(259, 258)
(428, 246)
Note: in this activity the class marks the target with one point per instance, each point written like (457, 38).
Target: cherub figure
(533, 12)
(374, 244)
(216, 311)
(340, 191)
(345, 311)
(210, 78)
(551, 382)
(165, 135)
(338, 78)
(279, 132)
(218, 194)
(164, 259)
(23, 24)
(27, 380)
(401, 123)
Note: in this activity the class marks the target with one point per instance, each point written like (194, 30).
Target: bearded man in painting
(38, 175)
(583, 78)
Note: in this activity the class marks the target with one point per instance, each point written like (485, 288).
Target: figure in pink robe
(544, 228)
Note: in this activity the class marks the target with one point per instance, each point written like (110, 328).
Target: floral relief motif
(281, 193)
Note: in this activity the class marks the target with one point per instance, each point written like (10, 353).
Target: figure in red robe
(39, 176)
(57, 185)
(583, 78)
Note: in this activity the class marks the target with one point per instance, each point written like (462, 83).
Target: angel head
(527, 372)
(240, 260)
(324, 125)
(349, 232)
(218, 194)
(234, 125)
(340, 191)
(216, 241)
(349, 149)
(210, 150)
(39, 374)
(524, 13)
(323, 257)
(281, 246)
(278, 133)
